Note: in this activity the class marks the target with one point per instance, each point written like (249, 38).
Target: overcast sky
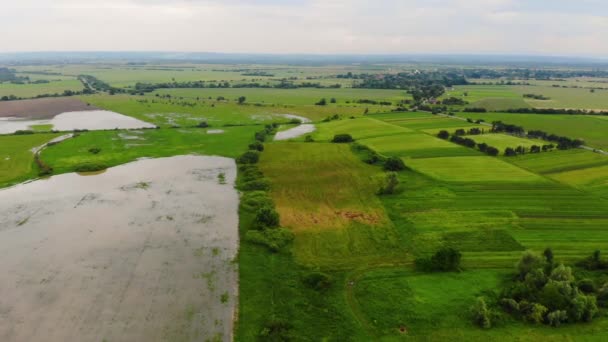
(547, 27)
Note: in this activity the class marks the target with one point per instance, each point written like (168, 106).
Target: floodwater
(305, 128)
(91, 120)
(142, 252)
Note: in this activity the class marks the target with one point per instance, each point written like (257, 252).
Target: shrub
(257, 146)
(202, 124)
(95, 150)
(309, 138)
(256, 185)
(266, 217)
(253, 200)
(90, 167)
(481, 313)
(274, 239)
(317, 281)
(342, 138)
(557, 317)
(586, 285)
(444, 260)
(249, 157)
(394, 164)
(276, 330)
(389, 184)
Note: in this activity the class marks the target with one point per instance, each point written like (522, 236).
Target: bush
(389, 184)
(445, 259)
(202, 124)
(317, 281)
(481, 313)
(586, 285)
(253, 200)
(257, 146)
(276, 330)
(256, 185)
(90, 167)
(557, 317)
(266, 217)
(342, 138)
(95, 150)
(249, 157)
(443, 134)
(274, 239)
(309, 138)
(394, 164)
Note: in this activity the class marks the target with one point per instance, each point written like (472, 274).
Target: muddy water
(295, 132)
(142, 252)
(91, 120)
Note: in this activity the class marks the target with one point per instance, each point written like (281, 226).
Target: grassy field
(590, 128)
(416, 146)
(565, 97)
(502, 141)
(358, 128)
(479, 169)
(32, 90)
(119, 147)
(335, 215)
(16, 157)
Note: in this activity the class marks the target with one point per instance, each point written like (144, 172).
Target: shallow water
(91, 120)
(140, 252)
(295, 132)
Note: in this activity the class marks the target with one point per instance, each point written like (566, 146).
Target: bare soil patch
(45, 108)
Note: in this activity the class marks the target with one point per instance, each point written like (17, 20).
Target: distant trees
(443, 134)
(322, 102)
(389, 184)
(394, 164)
(446, 259)
(242, 99)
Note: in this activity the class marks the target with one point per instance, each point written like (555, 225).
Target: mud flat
(305, 128)
(91, 120)
(141, 252)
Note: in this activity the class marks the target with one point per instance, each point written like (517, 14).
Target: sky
(535, 27)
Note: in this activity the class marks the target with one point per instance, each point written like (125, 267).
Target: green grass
(416, 146)
(326, 196)
(479, 169)
(592, 129)
(119, 147)
(41, 128)
(565, 97)
(16, 157)
(496, 104)
(593, 179)
(502, 141)
(559, 161)
(360, 128)
(32, 90)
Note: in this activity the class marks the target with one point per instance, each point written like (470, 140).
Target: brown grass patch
(45, 108)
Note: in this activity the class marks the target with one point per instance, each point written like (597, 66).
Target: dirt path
(142, 252)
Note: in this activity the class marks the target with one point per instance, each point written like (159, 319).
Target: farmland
(341, 258)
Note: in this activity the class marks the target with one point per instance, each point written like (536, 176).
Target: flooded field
(90, 119)
(305, 128)
(141, 252)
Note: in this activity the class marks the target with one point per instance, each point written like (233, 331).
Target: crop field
(32, 90)
(16, 157)
(472, 169)
(587, 127)
(565, 97)
(502, 141)
(358, 128)
(593, 179)
(559, 161)
(335, 215)
(416, 145)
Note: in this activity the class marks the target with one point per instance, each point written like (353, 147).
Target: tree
(322, 102)
(242, 99)
(249, 157)
(548, 253)
(443, 134)
(492, 151)
(528, 261)
(333, 100)
(342, 138)
(394, 164)
(256, 146)
(389, 185)
(509, 152)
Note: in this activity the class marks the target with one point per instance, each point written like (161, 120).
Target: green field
(565, 97)
(591, 129)
(502, 141)
(416, 146)
(357, 128)
(16, 157)
(32, 90)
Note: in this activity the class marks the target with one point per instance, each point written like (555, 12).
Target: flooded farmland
(89, 119)
(141, 252)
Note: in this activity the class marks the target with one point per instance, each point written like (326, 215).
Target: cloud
(308, 26)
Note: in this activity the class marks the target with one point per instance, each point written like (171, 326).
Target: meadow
(35, 89)
(16, 157)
